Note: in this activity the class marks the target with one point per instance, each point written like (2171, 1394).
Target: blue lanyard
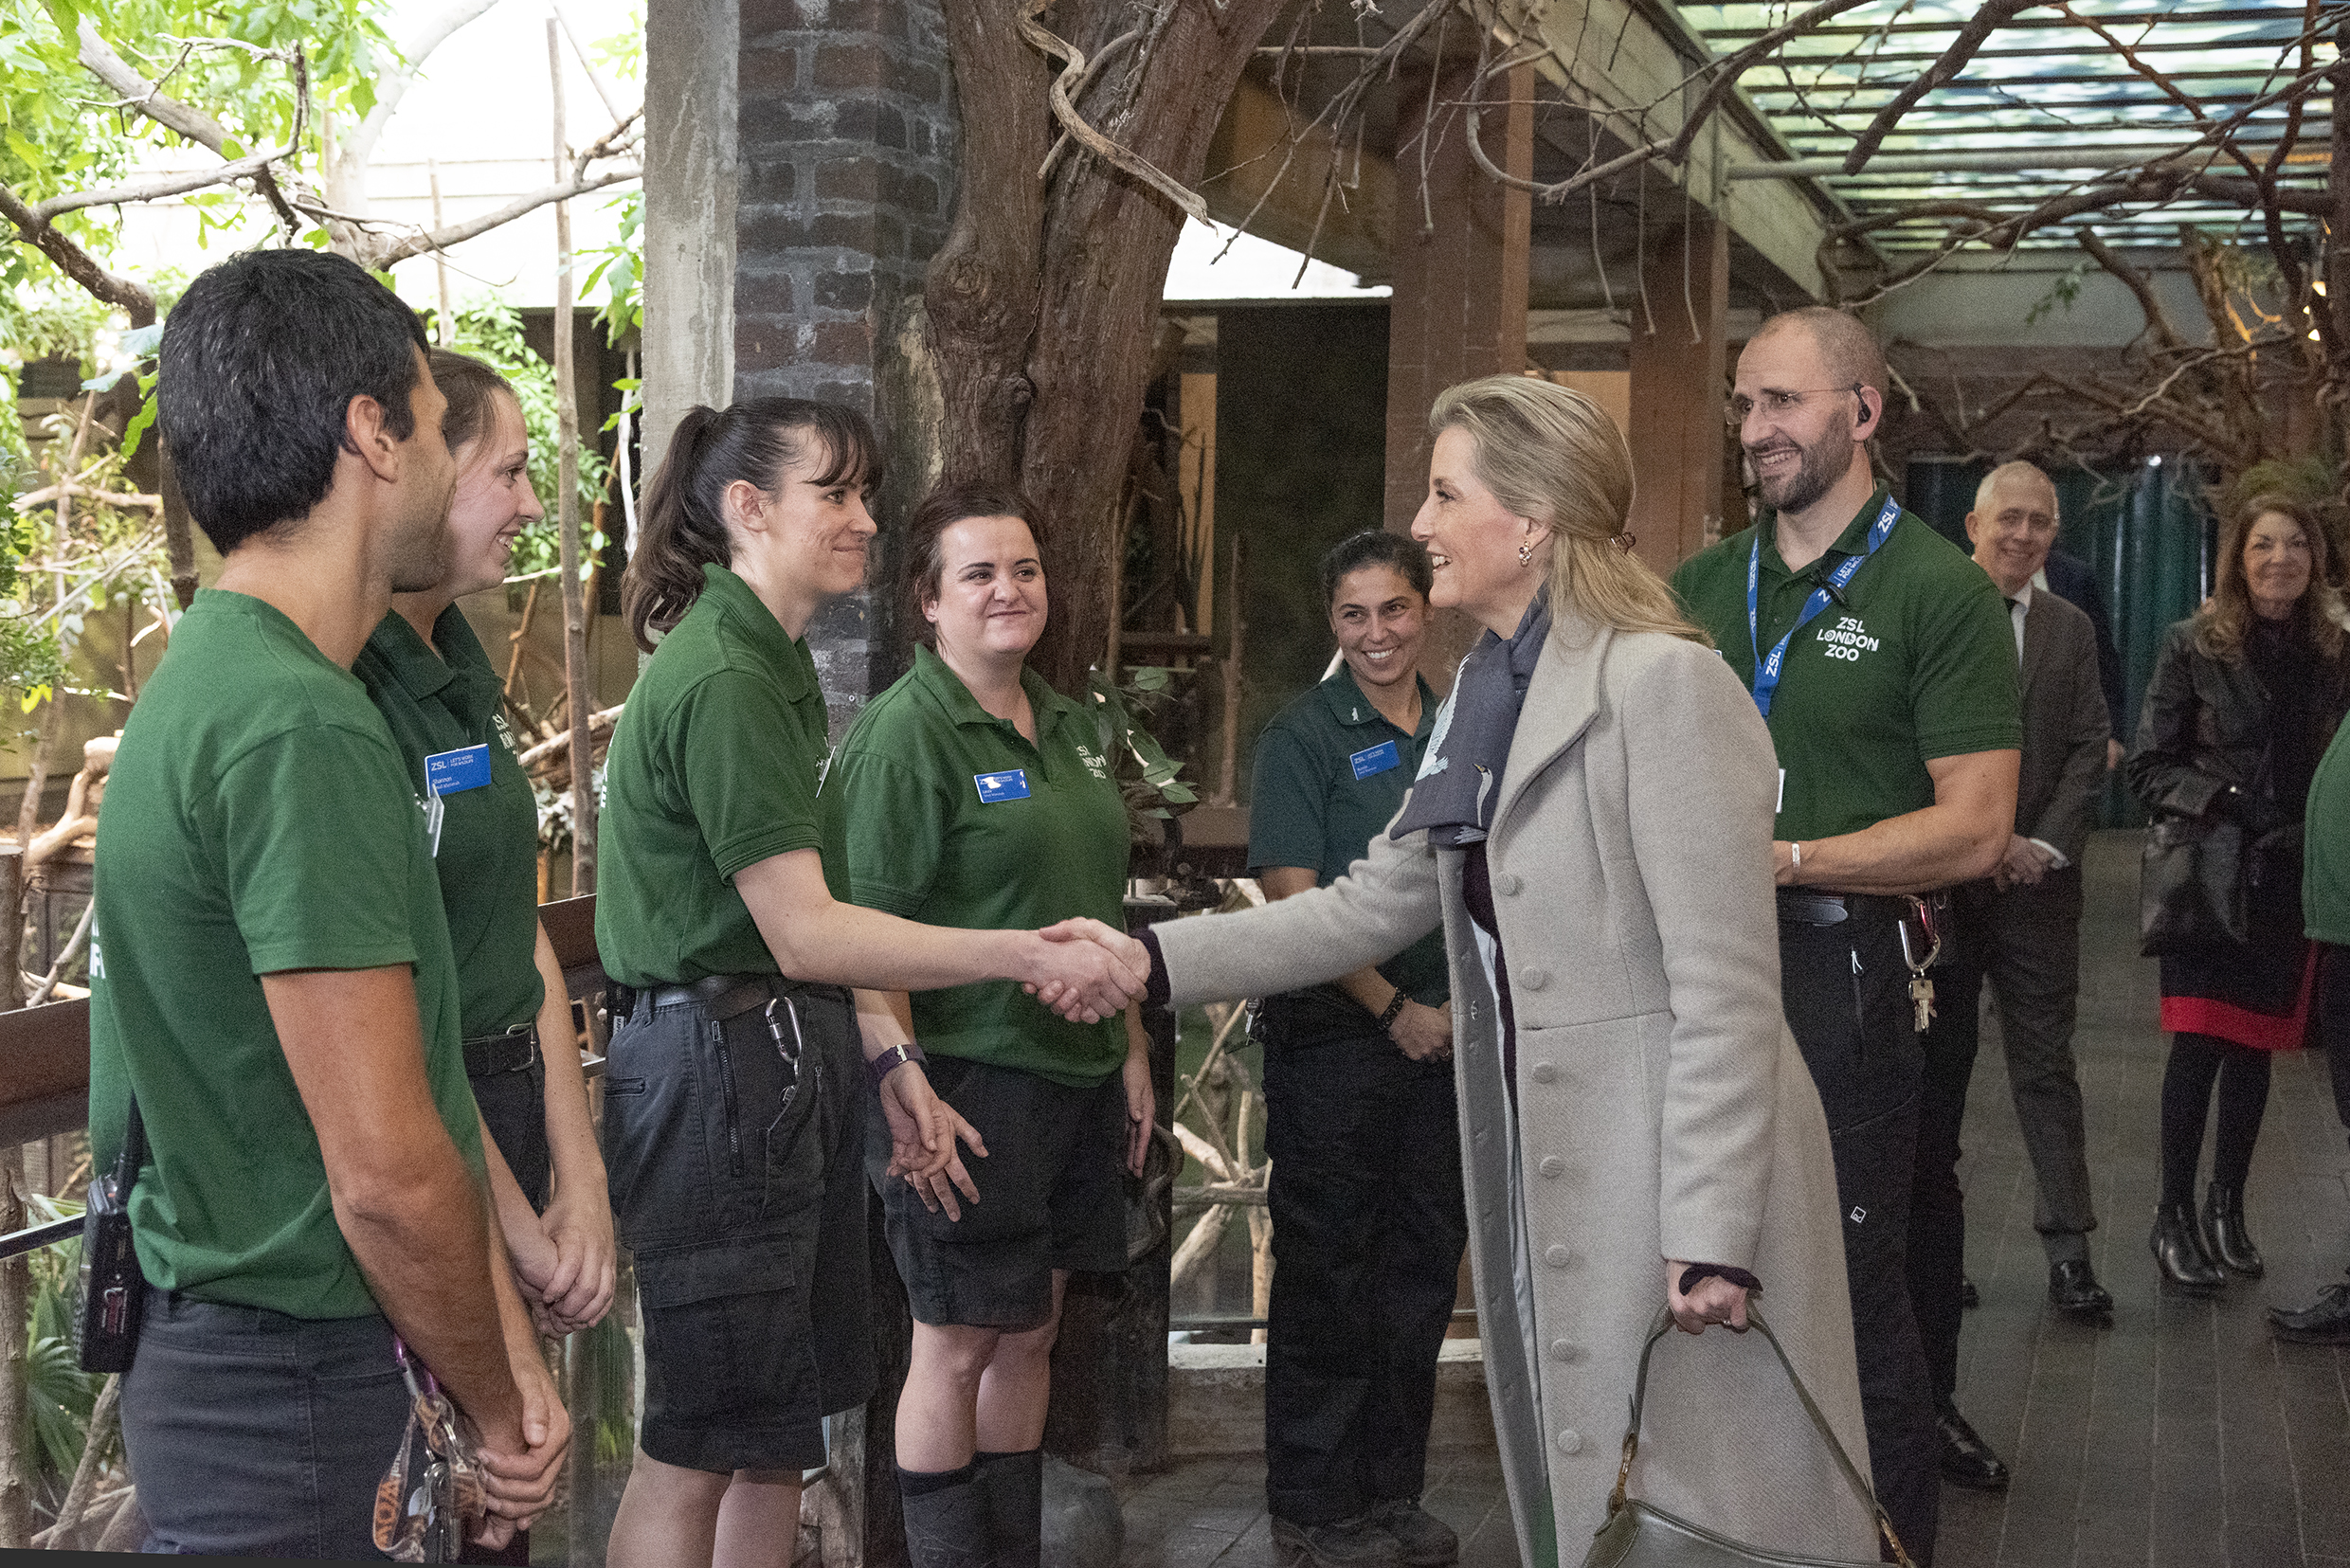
(1766, 670)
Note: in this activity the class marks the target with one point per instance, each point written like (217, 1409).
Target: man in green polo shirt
(1884, 665)
(2325, 910)
(1368, 1222)
(273, 997)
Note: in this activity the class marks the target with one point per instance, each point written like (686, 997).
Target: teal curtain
(2146, 530)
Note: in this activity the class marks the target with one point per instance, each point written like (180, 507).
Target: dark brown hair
(2220, 624)
(471, 388)
(943, 507)
(683, 523)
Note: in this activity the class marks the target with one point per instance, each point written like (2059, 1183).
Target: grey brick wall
(845, 137)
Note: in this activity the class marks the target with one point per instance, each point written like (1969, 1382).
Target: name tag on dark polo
(1011, 786)
(454, 772)
(1379, 759)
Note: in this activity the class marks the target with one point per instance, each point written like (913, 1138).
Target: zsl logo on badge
(1847, 639)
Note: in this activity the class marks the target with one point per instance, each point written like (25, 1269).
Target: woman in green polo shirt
(434, 687)
(734, 1117)
(979, 794)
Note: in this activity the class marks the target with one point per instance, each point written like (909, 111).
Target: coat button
(1558, 1257)
(1565, 1350)
(1506, 884)
(1552, 1166)
(1545, 1072)
(1570, 1441)
(1534, 980)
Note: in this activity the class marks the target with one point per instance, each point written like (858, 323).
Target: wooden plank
(1250, 173)
(1612, 58)
(1677, 430)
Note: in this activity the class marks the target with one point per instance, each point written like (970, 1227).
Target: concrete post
(689, 213)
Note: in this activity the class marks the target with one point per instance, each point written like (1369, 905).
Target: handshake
(1082, 969)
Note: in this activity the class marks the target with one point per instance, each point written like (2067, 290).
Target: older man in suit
(2021, 928)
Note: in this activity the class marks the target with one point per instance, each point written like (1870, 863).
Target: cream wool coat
(1663, 1111)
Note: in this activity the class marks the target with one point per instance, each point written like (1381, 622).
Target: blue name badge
(454, 772)
(1379, 759)
(1011, 785)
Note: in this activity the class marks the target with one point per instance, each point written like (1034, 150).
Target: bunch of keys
(1921, 988)
(427, 1524)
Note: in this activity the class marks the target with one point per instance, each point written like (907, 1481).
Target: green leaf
(136, 430)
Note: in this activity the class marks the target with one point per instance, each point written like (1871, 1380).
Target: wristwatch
(1395, 1009)
(879, 1067)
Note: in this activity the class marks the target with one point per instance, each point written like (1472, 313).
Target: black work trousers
(2026, 942)
(2333, 1021)
(1368, 1226)
(1846, 992)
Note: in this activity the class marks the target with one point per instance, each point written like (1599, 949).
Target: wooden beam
(1613, 57)
(1290, 191)
(1677, 364)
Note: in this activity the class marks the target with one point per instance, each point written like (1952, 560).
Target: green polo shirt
(258, 819)
(487, 859)
(955, 820)
(1917, 663)
(717, 764)
(2325, 852)
(1325, 787)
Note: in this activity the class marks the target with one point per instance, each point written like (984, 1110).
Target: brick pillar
(1459, 258)
(1677, 371)
(845, 141)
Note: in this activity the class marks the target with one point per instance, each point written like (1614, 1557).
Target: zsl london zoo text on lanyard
(1766, 670)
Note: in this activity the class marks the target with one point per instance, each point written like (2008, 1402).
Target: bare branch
(2136, 280)
(353, 152)
(77, 264)
(156, 186)
(1970, 37)
(376, 253)
(1073, 74)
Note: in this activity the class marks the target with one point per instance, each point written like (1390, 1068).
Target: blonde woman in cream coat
(1640, 1105)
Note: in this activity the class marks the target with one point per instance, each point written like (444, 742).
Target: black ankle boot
(2177, 1243)
(1012, 1486)
(946, 1519)
(2223, 1223)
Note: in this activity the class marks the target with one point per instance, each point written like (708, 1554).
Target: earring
(1526, 553)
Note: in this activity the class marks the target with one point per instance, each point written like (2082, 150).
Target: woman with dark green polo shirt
(434, 685)
(977, 794)
(735, 1114)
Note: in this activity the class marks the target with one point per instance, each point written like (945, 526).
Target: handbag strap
(1811, 1408)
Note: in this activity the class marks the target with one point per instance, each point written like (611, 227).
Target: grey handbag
(1639, 1536)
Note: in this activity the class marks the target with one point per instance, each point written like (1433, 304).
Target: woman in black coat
(2245, 695)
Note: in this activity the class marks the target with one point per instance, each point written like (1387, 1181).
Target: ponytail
(681, 525)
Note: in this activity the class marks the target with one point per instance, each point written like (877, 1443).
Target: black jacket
(2203, 733)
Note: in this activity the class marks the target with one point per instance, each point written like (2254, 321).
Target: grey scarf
(1454, 796)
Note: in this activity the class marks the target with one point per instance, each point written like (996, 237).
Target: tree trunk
(1044, 302)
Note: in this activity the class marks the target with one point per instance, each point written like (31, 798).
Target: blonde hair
(1551, 455)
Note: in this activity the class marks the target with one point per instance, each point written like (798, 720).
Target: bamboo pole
(15, 1293)
(444, 329)
(566, 514)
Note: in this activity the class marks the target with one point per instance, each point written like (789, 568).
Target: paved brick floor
(2182, 1436)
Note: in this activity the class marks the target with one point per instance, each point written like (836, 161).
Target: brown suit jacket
(2065, 727)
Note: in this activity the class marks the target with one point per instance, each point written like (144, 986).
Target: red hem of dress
(2241, 1025)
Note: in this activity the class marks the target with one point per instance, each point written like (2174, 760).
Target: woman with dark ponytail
(733, 1095)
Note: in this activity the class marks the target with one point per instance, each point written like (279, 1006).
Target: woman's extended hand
(923, 1130)
(1714, 1300)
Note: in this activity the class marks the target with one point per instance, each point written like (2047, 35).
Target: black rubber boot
(2231, 1241)
(2177, 1243)
(946, 1519)
(1013, 1487)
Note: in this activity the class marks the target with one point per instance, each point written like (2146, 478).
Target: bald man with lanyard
(1884, 664)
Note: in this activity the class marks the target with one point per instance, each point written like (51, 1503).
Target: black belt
(515, 1051)
(721, 996)
(1809, 907)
